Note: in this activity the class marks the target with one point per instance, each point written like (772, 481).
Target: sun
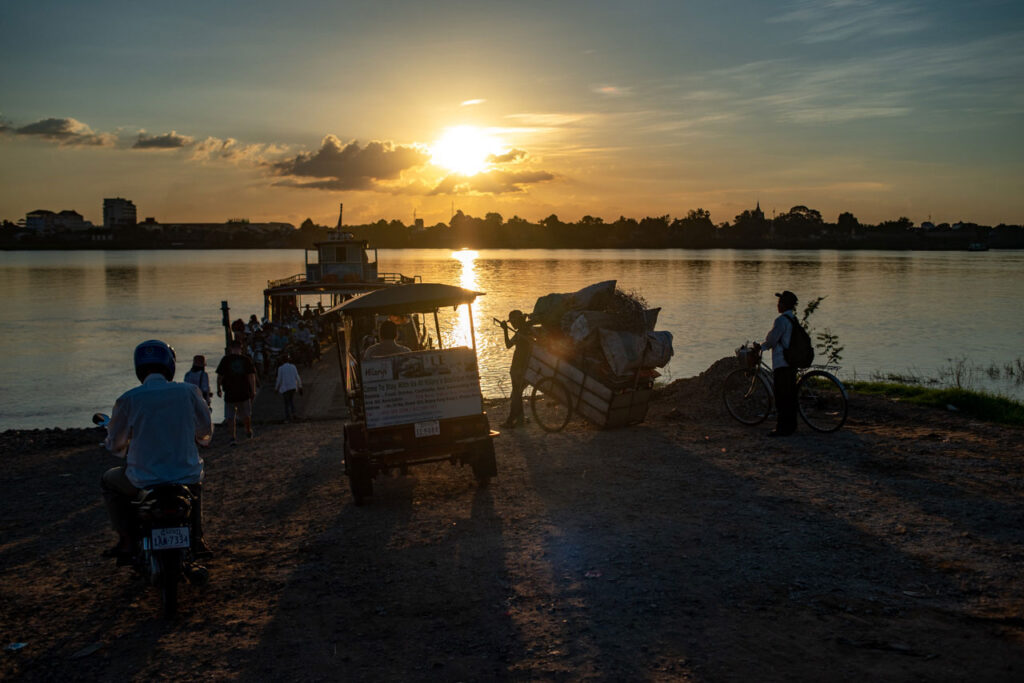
(464, 150)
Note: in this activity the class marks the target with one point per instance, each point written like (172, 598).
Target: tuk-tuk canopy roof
(421, 297)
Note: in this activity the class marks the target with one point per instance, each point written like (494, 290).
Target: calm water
(73, 318)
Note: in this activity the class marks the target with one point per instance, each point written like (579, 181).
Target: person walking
(236, 378)
(523, 341)
(288, 382)
(778, 340)
(197, 376)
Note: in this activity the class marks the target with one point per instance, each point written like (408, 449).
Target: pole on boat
(226, 321)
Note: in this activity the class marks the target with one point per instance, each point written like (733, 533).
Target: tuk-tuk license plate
(170, 538)
(431, 428)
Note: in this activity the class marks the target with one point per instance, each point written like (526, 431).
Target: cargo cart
(562, 385)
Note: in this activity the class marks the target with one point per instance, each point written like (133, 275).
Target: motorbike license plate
(431, 428)
(170, 538)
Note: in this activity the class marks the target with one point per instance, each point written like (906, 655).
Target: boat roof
(420, 297)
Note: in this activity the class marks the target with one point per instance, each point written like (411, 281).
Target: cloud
(611, 90)
(67, 131)
(491, 182)
(166, 141)
(839, 20)
(948, 80)
(547, 120)
(511, 156)
(230, 149)
(470, 103)
(349, 166)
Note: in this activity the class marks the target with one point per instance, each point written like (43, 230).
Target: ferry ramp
(323, 393)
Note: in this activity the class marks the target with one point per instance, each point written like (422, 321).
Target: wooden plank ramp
(323, 393)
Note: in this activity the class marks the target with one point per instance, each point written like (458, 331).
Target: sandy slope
(685, 548)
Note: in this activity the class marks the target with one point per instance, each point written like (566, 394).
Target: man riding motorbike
(155, 427)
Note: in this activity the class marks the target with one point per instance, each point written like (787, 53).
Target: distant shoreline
(721, 247)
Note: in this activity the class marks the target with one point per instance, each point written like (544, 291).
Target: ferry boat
(336, 270)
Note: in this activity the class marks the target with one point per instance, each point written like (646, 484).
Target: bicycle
(749, 393)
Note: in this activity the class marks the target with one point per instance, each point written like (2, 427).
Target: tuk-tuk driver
(387, 346)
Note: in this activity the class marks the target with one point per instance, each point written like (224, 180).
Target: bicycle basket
(747, 357)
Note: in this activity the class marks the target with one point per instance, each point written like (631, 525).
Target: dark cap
(787, 298)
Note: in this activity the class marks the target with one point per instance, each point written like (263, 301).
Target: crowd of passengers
(297, 337)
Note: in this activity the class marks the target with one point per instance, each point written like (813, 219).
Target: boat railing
(291, 280)
(398, 278)
(387, 278)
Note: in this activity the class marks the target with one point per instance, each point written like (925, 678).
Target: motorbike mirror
(100, 419)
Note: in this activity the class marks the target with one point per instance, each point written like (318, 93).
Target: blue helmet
(154, 356)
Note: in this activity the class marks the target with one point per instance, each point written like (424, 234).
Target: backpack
(800, 353)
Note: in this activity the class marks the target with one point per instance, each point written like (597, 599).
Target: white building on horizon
(119, 213)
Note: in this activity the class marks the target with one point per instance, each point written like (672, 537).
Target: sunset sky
(204, 111)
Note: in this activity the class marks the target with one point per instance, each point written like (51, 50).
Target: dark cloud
(508, 157)
(66, 132)
(349, 166)
(166, 141)
(492, 182)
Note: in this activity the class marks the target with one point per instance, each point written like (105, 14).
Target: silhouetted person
(236, 378)
(288, 382)
(778, 340)
(523, 341)
(197, 376)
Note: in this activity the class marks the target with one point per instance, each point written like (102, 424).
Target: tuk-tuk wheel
(362, 487)
(484, 466)
(360, 479)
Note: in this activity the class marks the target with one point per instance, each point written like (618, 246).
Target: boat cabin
(342, 258)
(336, 270)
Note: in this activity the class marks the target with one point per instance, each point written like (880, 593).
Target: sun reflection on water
(460, 334)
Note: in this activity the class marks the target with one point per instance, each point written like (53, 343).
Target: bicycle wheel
(821, 401)
(747, 396)
(550, 404)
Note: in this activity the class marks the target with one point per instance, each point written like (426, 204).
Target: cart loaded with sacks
(594, 354)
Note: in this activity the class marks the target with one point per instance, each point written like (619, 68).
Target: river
(73, 318)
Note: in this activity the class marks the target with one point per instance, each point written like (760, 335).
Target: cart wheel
(550, 404)
(360, 480)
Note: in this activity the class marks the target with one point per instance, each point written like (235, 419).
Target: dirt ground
(688, 547)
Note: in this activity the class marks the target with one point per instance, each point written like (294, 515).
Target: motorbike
(162, 538)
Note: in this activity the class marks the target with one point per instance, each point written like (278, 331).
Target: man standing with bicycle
(784, 376)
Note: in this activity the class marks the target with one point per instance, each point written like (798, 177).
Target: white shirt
(778, 338)
(388, 347)
(200, 379)
(155, 427)
(288, 378)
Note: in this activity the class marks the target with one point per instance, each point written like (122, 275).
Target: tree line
(800, 227)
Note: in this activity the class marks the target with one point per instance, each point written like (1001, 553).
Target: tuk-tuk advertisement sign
(419, 386)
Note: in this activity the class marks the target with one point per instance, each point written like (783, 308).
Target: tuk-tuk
(411, 408)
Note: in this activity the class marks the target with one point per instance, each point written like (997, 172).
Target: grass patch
(976, 404)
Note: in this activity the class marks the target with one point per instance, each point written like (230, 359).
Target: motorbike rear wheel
(170, 575)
